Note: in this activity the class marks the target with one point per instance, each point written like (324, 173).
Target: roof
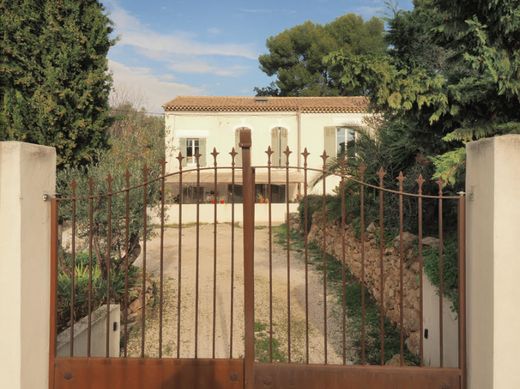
(268, 104)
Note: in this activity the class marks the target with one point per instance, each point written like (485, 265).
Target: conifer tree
(54, 83)
(452, 75)
(296, 55)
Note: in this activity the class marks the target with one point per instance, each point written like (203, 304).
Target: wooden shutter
(238, 158)
(275, 158)
(182, 149)
(202, 151)
(278, 145)
(283, 144)
(330, 141)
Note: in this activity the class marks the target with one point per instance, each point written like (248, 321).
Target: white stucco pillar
(493, 262)
(27, 172)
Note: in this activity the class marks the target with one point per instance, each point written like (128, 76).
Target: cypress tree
(54, 84)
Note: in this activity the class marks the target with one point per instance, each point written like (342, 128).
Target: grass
(262, 345)
(353, 307)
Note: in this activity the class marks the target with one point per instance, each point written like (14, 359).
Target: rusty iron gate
(94, 235)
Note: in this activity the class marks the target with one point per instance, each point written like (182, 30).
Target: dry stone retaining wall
(391, 262)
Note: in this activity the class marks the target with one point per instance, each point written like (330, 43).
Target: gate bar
(109, 263)
(324, 248)
(161, 260)
(73, 186)
(90, 266)
(249, 236)
(179, 258)
(215, 197)
(54, 288)
(233, 154)
(462, 287)
(143, 286)
(287, 152)
(269, 153)
(440, 183)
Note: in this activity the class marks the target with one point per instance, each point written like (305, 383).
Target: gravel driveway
(223, 298)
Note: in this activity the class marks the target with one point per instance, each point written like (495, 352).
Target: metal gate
(310, 338)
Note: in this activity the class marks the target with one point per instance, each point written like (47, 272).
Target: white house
(197, 124)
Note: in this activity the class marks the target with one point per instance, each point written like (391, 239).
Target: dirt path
(223, 327)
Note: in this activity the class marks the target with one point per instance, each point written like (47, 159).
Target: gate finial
(245, 138)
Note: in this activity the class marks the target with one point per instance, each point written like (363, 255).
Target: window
(340, 140)
(190, 147)
(261, 193)
(277, 193)
(345, 141)
(278, 146)
(192, 194)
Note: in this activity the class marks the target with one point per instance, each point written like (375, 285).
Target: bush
(315, 204)
(136, 140)
(451, 269)
(81, 278)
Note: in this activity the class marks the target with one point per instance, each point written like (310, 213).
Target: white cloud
(201, 67)
(146, 89)
(134, 33)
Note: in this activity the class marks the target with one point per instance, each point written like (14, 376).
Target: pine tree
(452, 75)
(55, 83)
(296, 55)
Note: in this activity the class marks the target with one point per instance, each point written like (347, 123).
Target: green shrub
(315, 204)
(451, 269)
(81, 279)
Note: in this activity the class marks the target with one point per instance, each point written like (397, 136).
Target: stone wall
(391, 274)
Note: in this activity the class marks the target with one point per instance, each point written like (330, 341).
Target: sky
(167, 48)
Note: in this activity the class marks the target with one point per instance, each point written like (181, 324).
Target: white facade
(219, 130)
(316, 131)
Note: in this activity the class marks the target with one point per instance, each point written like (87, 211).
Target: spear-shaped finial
(269, 153)
(324, 157)
(233, 154)
(179, 158)
(420, 181)
(197, 159)
(381, 174)
(287, 152)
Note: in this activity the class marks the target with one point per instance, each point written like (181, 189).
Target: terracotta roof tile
(267, 104)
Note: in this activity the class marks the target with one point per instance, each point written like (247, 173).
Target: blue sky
(167, 48)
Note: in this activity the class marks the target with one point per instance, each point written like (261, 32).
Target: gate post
(248, 182)
(27, 173)
(493, 262)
